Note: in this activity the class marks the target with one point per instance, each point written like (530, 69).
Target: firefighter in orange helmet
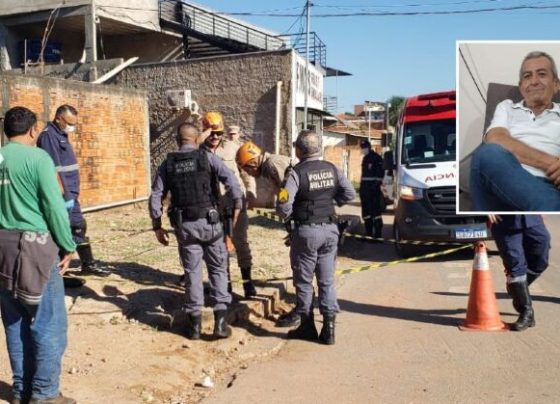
(227, 150)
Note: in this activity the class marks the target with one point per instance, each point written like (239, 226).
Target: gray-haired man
(517, 168)
(308, 198)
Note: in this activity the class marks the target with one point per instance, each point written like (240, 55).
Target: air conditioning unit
(179, 99)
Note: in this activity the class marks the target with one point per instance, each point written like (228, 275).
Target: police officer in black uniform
(370, 190)
(191, 176)
(308, 196)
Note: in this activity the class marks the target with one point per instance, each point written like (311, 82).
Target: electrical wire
(472, 76)
(48, 30)
(402, 13)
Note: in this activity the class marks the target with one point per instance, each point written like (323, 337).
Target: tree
(396, 102)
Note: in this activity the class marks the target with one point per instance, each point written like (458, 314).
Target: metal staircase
(209, 34)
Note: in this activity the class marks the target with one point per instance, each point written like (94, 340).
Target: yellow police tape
(276, 218)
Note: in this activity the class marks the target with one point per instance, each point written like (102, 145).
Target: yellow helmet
(247, 152)
(213, 120)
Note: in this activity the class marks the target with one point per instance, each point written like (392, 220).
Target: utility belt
(177, 216)
(318, 220)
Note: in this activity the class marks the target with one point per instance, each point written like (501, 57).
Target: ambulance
(424, 170)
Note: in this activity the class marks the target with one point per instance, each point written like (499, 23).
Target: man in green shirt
(35, 250)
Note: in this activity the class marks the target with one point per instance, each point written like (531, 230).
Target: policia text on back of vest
(318, 185)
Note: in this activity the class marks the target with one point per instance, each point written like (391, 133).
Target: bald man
(189, 175)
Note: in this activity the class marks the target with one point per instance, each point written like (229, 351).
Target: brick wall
(353, 166)
(111, 142)
(242, 87)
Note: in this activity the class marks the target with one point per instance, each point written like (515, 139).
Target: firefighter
(55, 140)
(370, 190)
(308, 198)
(226, 150)
(274, 168)
(257, 163)
(196, 221)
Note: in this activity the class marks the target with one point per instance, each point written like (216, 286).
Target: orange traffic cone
(482, 311)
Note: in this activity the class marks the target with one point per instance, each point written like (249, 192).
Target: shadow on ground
(431, 316)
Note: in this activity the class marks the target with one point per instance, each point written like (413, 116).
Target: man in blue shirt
(54, 140)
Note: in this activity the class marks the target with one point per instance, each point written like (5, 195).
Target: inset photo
(508, 127)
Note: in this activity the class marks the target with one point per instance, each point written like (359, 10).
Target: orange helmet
(213, 120)
(247, 152)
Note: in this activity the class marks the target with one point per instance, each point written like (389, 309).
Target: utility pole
(308, 5)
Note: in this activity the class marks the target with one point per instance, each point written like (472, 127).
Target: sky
(398, 55)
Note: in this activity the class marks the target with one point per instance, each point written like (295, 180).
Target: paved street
(398, 341)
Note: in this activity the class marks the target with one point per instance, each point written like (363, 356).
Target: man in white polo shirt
(518, 167)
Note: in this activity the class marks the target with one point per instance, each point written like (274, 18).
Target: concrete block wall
(111, 141)
(242, 87)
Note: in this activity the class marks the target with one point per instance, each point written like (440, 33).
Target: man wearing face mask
(370, 190)
(54, 140)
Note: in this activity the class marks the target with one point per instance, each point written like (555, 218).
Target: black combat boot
(194, 325)
(89, 265)
(248, 286)
(327, 332)
(531, 278)
(522, 300)
(221, 329)
(368, 223)
(378, 228)
(306, 330)
(515, 304)
(290, 319)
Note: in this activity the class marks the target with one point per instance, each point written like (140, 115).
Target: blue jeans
(36, 343)
(498, 182)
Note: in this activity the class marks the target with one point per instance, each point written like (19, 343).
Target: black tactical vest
(191, 183)
(318, 183)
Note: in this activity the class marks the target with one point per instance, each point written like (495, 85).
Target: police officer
(54, 140)
(308, 199)
(226, 150)
(524, 243)
(370, 190)
(257, 163)
(191, 176)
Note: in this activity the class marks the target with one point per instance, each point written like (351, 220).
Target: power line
(472, 76)
(402, 13)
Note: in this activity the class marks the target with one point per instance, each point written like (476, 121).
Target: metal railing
(188, 16)
(317, 48)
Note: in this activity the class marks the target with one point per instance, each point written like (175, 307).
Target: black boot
(290, 319)
(89, 265)
(221, 329)
(248, 286)
(327, 332)
(514, 302)
(378, 228)
(522, 299)
(306, 330)
(194, 325)
(531, 278)
(368, 223)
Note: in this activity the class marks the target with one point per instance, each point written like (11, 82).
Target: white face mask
(364, 151)
(69, 129)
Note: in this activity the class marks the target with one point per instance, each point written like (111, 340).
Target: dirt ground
(125, 339)
(125, 331)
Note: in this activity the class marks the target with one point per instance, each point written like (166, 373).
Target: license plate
(469, 234)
